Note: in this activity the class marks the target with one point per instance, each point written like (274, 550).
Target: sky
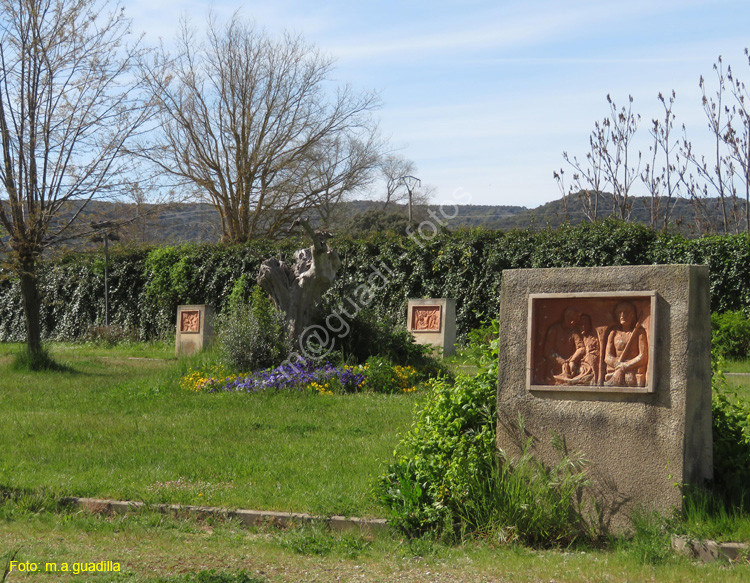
(485, 96)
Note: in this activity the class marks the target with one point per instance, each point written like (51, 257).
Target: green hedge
(147, 284)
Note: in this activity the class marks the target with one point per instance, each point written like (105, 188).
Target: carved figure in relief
(584, 362)
(561, 348)
(190, 322)
(426, 319)
(626, 353)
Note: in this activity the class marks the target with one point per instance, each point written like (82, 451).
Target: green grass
(738, 383)
(119, 427)
(116, 425)
(153, 548)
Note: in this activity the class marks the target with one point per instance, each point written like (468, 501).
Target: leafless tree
(737, 136)
(588, 179)
(713, 177)
(253, 125)
(613, 145)
(68, 103)
(608, 164)
(394, 171)
(666, 170)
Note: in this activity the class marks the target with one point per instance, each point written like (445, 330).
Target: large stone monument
(615, 360)
(195, 328)
(433, 321)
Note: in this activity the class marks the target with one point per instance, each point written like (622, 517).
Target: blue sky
(485, 96)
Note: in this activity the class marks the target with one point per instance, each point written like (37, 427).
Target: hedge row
(146, 285)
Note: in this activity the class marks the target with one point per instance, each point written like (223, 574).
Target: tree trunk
(297, 289)
(31, 305)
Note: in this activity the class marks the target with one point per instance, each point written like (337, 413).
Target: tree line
(147, 284)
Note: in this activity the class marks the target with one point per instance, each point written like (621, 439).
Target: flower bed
(376, 375)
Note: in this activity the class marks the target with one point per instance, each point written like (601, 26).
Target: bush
(381, 376)
(253, 336)
(451, 443)
(731, 437)
(730, 334)
(449, 479)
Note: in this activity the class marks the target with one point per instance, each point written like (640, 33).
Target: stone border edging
(710, 551)
(248, 517)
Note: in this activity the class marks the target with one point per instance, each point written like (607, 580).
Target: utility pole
(410, 182)
(106, 234)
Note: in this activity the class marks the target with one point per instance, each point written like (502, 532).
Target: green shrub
(372, 335)
(253, 336)
(448, 478)
(730, 334)
(382, 376)
(731, 437)
(451, 443)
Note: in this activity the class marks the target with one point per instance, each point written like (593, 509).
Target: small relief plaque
(592, 342)
(425, 318)
(190, 322)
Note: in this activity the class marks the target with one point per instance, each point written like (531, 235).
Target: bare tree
(253, 125)
(68, 103)
(737, 136)
(608, 163)
(713, 177)
(394, 171)
(663, 182)
(613, 145)
(588, 179)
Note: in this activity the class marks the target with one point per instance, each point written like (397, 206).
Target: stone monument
(195, 328)
(615, 360)
(433, 321)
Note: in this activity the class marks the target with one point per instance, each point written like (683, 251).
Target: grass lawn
(739, 382)
(118, 426)
(150, 546)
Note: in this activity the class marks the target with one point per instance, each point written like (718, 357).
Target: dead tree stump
(296, 290)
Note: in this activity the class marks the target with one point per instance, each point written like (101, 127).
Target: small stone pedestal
(433, 321)
(195, 328)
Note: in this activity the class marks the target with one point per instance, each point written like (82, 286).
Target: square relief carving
(190, 321)
(592, 342)
(425, 318)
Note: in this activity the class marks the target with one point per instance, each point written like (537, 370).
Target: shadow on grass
(24, 501)
(27, 361)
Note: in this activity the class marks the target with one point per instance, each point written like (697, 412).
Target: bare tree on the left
(69, 101)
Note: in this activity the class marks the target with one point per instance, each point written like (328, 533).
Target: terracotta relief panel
(592, 342)
(425, 318)
(190, 322)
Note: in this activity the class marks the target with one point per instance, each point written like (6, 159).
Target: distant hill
(200, 222)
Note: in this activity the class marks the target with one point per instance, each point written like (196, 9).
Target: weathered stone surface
(640, 445)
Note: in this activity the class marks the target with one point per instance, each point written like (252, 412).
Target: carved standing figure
(297, 289)
(626, 354)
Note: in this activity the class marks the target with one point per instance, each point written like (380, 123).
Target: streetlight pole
(106, 235)
(410, 182)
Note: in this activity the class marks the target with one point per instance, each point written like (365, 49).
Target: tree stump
(296, 290)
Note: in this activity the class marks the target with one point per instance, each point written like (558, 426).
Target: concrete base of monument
(615, 361)
(247, 517)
